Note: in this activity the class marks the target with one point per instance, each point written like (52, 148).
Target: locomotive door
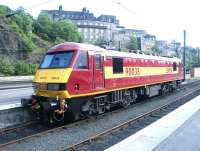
(98, 75)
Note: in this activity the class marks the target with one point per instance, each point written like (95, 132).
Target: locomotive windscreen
(57, 60)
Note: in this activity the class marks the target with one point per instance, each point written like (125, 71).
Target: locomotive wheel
(70, 117)
(58, 117)
(126, 102)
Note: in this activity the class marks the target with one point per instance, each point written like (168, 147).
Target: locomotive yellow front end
(50, 86)
(52, 83)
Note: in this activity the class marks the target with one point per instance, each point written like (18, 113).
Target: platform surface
(185, 138)
(177, 131)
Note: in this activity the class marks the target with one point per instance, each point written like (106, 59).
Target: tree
(65, 30)
(56, 31)
(101, 41)
(156, 50)
(4, 10)
(43, 26)
(133, 43)
(23, 20)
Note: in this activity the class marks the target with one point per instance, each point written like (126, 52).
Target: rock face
(9, 41)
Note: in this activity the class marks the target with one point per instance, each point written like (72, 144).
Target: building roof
(81, 15)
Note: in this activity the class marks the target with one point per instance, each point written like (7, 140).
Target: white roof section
(92, 49)
(139, 56)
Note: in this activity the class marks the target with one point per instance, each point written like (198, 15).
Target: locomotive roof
(87, 47)
(140, 56)
(74, 46)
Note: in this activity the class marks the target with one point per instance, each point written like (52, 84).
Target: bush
(22, 68)
(18, 68)
(6, 68)
(33, 68)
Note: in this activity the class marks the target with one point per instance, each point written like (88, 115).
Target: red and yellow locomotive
(76, 80)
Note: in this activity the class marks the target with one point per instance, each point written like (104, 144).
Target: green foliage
(22, 68)
(58, 41)
(192, 57)
(18, 68)
(4, 10)
(156, 50)
(55, 31)
(101, 41)
(6, 67)
(44, 27)
(133, 44)
(21, 23)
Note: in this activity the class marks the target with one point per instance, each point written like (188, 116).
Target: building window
(117, 65)
(82, 61)
(174, 66)
(98, 61)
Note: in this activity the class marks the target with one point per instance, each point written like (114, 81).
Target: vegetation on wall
(44, 27)
(17, 68)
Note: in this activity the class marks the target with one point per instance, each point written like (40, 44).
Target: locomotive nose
(51, 83)
(52, 75)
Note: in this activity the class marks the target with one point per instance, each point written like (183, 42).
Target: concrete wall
(14, 116)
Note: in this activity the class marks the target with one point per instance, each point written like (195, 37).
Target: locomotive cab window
(57, 60)
(117, 65)
(82, 61)
(174, 66)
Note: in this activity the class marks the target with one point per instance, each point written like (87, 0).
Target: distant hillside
(21, 33)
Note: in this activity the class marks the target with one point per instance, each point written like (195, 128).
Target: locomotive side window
(98, 61)
(174, 66)
(82, 61)
(117, 65)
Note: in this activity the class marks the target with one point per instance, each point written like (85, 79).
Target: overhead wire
(136, 15)
(29, 8)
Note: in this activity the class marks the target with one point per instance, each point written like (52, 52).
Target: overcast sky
(164, 18)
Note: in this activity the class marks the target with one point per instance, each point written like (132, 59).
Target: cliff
(9, 41)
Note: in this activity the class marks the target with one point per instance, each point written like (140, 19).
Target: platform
(177, 131)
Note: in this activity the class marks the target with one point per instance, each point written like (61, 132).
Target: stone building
(104, 28)
(92, 28)
(148, 42)
(124, 35)
(168, 49)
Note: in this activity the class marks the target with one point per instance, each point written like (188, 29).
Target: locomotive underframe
(54, 109)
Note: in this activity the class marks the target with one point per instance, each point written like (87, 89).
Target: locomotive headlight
(56, 86)
(54, 104)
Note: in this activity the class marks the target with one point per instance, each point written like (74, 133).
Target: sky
(164, 18)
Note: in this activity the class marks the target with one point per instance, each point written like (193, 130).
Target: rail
(195, 90)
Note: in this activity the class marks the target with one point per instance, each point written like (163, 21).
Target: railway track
(135, 124)
(23, 133)
(5, 85)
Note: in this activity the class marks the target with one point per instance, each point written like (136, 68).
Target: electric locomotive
(75, 80)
